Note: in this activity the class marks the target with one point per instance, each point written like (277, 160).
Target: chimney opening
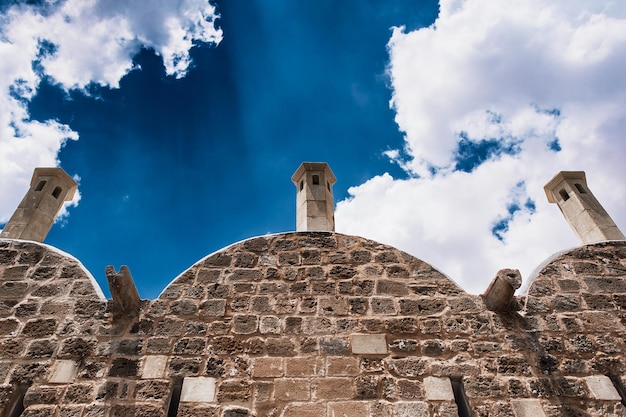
(564, 194)
(580, 188)
(301, 185)
(40, 185)
(316, 180)
(57, 192)
(328, 185)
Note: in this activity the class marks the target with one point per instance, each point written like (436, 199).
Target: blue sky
(184, 121)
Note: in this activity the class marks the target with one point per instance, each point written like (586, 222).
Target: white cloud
(76, 43)
(522, 75)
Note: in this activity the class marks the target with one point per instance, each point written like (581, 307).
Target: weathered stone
(280, 347)
(383, 306)
(334, 345)
(408, 367)
(245, 324)
(123, 367)
(292, 389)
(366, 386)
(233, 390)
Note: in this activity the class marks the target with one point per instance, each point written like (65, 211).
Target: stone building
(316, 324)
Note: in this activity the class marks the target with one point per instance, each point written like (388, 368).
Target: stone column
(586, 216)
(33, 218)
(315, 207)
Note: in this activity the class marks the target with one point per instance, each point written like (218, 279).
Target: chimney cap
(559, 178)
(313, 166)
(60, 175)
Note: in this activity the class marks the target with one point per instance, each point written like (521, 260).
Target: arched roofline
(88, 274)
(531, 278)
(271, 235)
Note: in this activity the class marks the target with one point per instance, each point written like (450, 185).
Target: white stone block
(369, 344)
(438, 389)
(527, 408)
(602, 388)
(198, 390)
(154, 367)
(412, 409)
(64, 372)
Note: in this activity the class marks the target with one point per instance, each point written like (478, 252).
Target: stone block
(267, 368)
(269, 325)
(198, 389)
(245, 324)
(292, 390)
(367, 386)
(381, 409)
(405, 389)
(334, 345)
(301, 367)
(408, 367)
(42, 395)
(305, 410)
(342, 366)
(404, 325)
(382, 306)
(236, 412)
(124, 367)
(154, 367)
(602, 388)
(388, 287)
(334, 306)
(64, 372)
(78, 394)
(369, 344)
(527, 408)
(348, 409)
(234, 390)
(335, 389)
(412, 409)
(261, 304)
(280, 347)
(438, 389)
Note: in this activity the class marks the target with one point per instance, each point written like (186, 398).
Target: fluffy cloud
(494, 99)
(76, 43)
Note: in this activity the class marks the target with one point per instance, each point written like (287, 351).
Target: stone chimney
(315, 207)
(586, 216)
(33, 218)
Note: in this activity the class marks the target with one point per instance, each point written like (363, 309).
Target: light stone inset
(64, 372)
(154, 367)
(198, 390)
(602, 388)
(369, 344)
(528, 408)
(412, 409)
(438, 388)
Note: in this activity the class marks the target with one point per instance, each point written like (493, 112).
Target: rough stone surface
(313, 324)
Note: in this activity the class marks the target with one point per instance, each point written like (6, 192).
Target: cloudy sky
(183, 122)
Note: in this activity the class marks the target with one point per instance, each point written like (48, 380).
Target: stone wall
(312, 324)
